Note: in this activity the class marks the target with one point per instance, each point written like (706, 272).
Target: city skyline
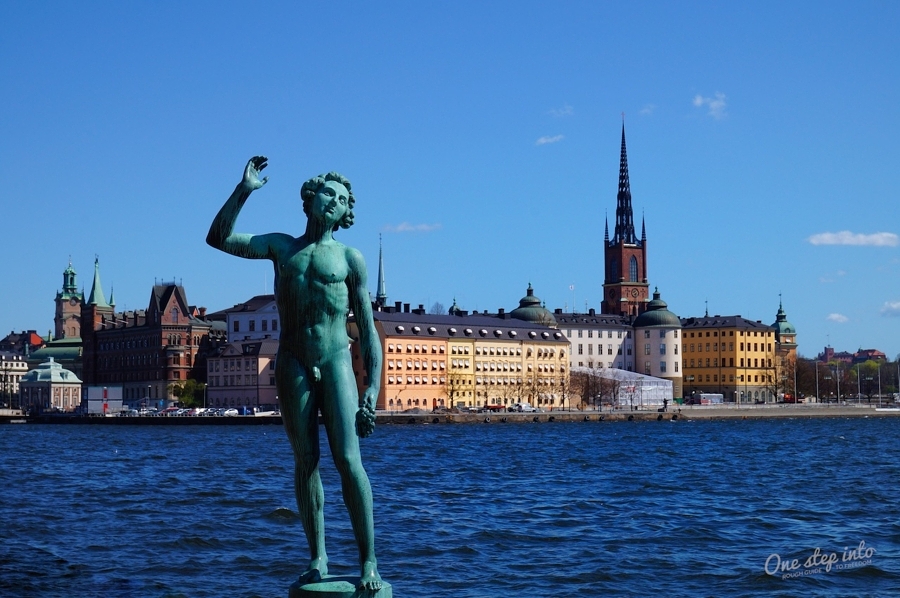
(483, 150)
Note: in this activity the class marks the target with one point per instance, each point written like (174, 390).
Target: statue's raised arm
(221, 233)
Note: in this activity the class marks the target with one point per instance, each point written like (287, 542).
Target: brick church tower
(625, 286)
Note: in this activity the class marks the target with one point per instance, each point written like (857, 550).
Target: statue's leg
(300, 417)
(340, 402)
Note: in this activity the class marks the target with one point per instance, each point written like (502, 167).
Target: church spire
(97, 297)
(624, 216)
(380, 293)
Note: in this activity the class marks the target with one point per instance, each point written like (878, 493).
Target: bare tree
(437, 309)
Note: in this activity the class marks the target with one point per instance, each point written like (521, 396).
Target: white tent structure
(634, 390)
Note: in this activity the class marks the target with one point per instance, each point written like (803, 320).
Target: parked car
(230, 412)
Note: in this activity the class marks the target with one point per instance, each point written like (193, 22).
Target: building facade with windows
(658, 335)
(598, 340)
(464, 361)
(243, 375)
(50, 387)
(146, 351)
(255, 319)
(729, 355)
(12, 368)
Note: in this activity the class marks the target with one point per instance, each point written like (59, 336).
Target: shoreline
(684, 413)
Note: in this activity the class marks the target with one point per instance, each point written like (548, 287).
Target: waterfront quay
(678, 413)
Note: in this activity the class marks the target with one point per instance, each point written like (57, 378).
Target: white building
(597, 340)
(657, 334)
(256, 319)
(50, 387)
(12, 368)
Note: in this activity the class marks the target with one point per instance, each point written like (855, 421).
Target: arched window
(633, 269)
(614, 270)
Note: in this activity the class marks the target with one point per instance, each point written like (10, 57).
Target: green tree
(189, 393)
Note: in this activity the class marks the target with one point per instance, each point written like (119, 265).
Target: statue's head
(311, 187)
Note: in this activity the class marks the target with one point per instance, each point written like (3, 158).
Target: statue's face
(331, 203)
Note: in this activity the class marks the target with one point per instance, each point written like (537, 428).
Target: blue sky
(482, 141)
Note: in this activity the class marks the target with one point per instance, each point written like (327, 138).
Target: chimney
(500, 312)
(591, 312)
(203, 312)
(398, 307)
(406, 308)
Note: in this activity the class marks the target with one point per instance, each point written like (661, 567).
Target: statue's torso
(313, 299)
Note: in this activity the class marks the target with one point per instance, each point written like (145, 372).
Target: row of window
(415, 365)
(590, 333)
(415, 348)
(715, 347)
(240, 380)
(251, 325)
(662, 349)
(731, 333)
(609, 349)
(755, 363)
(740, 378)
(662, 367)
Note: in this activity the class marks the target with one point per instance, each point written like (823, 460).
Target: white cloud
(648, 109)
(566, 110)
(845, 237)
(715, 104)
(839, 318)
(891, 308)
(406, 227)
(548, 139)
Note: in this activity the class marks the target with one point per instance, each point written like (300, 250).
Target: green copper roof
(50, 371)
(657, 315)
(531, 310)
(781, 325)
(97, 297)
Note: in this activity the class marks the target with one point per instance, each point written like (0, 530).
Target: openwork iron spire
(624, 217)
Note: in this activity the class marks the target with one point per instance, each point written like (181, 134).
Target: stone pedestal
(337, 586)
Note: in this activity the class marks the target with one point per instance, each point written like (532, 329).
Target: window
(647, 350)
(590, 349)
(633, 269)
(662, 334)
(614, 270)
(265, 325)
(646, 367)
(274, 325)
(580, 333)
(662, 348)
(646, 334)
(676, 349)
(580, 349)
(676, 366)
(237, 326)
(662, 367)
(609, 334)
(619, 334)
(252, 325)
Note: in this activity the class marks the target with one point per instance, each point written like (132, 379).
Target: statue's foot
(369, 580)
(318, 568)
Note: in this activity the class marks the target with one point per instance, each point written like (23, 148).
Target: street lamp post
(818, 399)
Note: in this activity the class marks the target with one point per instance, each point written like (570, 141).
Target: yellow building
(463, 361)
(729, 355)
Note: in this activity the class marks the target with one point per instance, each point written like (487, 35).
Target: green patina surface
(317, 282)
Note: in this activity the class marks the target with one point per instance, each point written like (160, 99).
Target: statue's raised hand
(251, 172)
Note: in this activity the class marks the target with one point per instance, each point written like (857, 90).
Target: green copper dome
(781, 325)
(657, 315)
(531, 310)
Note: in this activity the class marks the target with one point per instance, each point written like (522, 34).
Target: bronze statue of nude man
(317, 281)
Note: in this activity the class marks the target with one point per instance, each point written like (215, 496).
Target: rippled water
(477, 510)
